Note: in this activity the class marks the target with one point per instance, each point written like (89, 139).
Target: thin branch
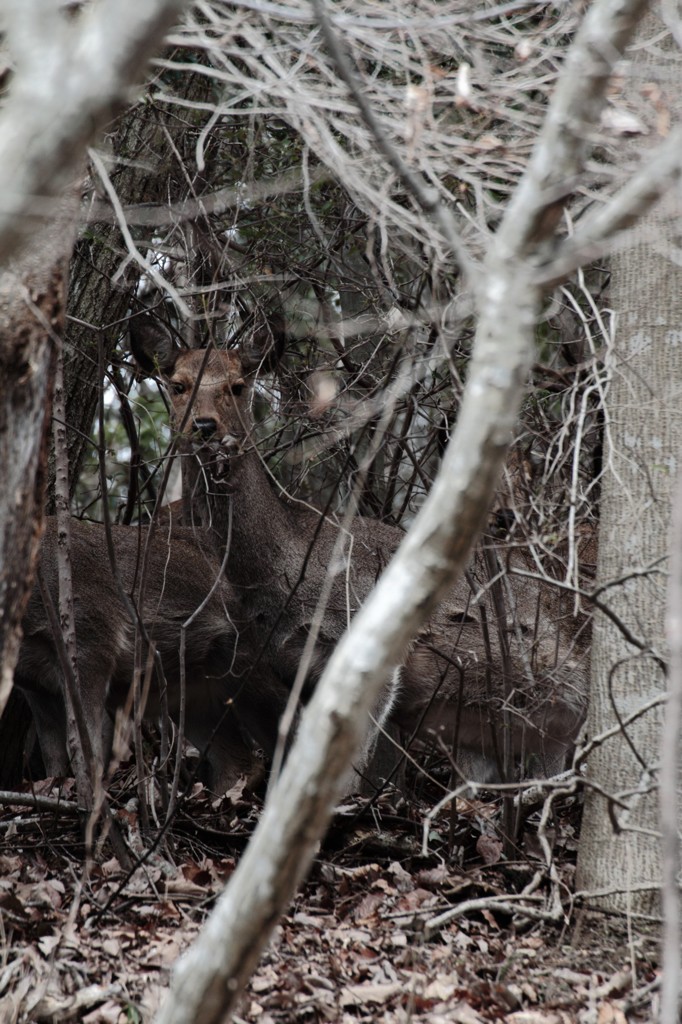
(595, 234)
(39, 803)
(427, 198)
(558, 157)
(214, 203)
(151, 271)
(504, 904)
(79, 742)
(583, 752)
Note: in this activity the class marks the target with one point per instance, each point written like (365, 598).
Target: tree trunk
(643, 438)
(32, 304)
(54, 104)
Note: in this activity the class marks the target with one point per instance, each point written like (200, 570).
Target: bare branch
(215, 202)
(596, 232)
(40, 803)
(427, 198)
(558, 157)
(71, 76)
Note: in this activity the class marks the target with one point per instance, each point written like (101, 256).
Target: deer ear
(152, 346)
(265, 348)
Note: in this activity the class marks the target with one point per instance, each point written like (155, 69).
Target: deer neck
(243, 515)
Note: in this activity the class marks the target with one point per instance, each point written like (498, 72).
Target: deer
(276, 554)
(465, 670)
(111, 608)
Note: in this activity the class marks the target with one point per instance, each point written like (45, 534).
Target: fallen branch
(506, 904)
(38, 803)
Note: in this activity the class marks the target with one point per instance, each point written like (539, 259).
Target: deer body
(481, 685)
(462, 670)
(174, 589)
(278, 554)
(277, 573)
(278, 557)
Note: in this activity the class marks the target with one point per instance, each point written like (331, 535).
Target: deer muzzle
(205, 428)
(216, 454)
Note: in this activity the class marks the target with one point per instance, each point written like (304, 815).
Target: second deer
(132, 623)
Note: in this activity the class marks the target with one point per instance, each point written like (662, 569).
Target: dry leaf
(109, 1013)
(48, 943)
(442, 988)
(488, 141)
(112, 946)
(489, 849)
(368, 906)
(462, 1013)
(609, 1013)
(434, 877)
(359, 995)
(403, 880)
(622, 122)
(183, 887)
(533, 1017)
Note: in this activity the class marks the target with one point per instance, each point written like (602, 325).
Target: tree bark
(641, 450)
(643, 439)
(60, 94)
(32, 304)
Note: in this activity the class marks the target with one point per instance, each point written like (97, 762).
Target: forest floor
(360, 941)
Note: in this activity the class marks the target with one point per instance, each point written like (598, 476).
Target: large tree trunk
(91, 298)
(32, 303)
(59, 94)
(643, 439)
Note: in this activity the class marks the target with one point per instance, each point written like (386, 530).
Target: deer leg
(218, 737)
(94, 675)
(50, 724)
(386, 763)
(379, 755)
(49, 716)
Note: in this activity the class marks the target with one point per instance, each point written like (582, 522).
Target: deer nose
(206, 426)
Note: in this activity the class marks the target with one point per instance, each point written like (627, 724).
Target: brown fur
(178, 581)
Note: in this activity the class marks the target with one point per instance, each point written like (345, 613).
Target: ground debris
(98, 946)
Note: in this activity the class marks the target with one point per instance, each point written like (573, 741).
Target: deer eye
(237, 388)
(177, 387)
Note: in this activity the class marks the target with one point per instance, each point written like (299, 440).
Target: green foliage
(151, 440)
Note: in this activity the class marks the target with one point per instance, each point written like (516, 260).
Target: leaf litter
(355, 944)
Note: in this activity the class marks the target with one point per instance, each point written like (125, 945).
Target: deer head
(210, 389)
